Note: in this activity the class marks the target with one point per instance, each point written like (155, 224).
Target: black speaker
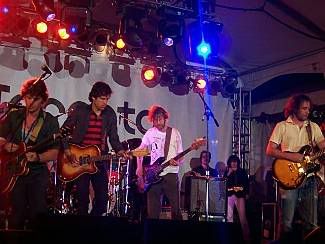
(195, 196)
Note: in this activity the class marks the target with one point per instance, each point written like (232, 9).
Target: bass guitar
(85, 159)
(152, 172)
(14, 164)
(291, 175)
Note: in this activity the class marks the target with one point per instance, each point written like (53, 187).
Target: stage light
(199, 84)
(120, 44)
(100, 41)
(41, 27)
(62, 31)
(202, 42)
(170, 31)
(4, 9)
(204, 49)
(150, 75)
(45, 9)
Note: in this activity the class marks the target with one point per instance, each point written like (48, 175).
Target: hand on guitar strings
(10, 147)
(32, 157)
(72, 158)
(173, 162)
(124, 154)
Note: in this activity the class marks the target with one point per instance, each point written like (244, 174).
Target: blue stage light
(204, 49)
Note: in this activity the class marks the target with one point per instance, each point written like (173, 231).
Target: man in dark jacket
(92, 125)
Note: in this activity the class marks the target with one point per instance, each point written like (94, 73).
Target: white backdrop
(70, 83)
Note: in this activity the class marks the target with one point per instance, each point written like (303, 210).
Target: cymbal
(131, 144)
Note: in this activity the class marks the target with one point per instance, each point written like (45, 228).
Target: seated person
(204, 167)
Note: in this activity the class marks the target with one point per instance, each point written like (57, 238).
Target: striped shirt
(93, 135)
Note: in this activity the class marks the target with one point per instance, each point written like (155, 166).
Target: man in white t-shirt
(154, 140)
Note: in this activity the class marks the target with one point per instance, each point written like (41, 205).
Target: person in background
(237, 192)
(202, 169)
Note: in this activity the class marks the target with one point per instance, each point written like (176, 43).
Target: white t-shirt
(154, 140)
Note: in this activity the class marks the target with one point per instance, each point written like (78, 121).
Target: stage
(87, 229)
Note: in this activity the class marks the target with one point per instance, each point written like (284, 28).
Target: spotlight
(4, 10)
(45, 9)
(62, 31)
(170, 32)
(100, 41)
(120, 44)
(149, 75)
(41, 27)
(199, 84)
(202, 41)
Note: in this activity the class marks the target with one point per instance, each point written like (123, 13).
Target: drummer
(204, 169)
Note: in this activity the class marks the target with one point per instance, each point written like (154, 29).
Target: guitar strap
(167, 141)
(308, 128)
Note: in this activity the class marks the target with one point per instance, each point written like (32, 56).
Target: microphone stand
(207, 114)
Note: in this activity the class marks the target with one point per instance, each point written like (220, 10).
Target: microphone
(13, 105)
(318, 114)
(46, 69)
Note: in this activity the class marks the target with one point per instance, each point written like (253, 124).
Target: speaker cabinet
(195, 196)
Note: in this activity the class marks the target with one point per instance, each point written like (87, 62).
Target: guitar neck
(37, 146)
(182, 154)
(101, 158)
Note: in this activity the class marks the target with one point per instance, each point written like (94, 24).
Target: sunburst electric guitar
(86, 157)
(14, 164)
(291, 175)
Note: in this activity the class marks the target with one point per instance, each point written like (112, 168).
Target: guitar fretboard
(317, 155)
(182, 154)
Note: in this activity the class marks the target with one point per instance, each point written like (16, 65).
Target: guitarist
(93, 124)
(287, 138)
(30, 125)
(156, 140)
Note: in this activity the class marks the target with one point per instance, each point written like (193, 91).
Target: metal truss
(241, 135)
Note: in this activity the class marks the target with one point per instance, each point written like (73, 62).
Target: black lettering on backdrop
(125, 110)
(4, 88)
(140, 115)
(57, 104)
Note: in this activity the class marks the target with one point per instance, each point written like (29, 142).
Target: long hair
(293, 104)
(233, 158)
(154, 111)
(35, 90)
(99, 89)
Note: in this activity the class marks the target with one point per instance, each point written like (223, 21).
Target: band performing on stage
(48, 170)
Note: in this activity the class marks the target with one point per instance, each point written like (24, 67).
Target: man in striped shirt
(93, 124)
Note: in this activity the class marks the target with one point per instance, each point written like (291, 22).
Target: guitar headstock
(199, 142)
(140, 152)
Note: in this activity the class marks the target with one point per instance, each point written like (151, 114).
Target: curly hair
(293, 104)
(155, 110)
(35, 90)
(100, 88)
(233, 158)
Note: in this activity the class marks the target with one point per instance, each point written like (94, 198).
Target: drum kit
(121, 186)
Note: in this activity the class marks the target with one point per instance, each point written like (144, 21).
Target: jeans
(304, 200)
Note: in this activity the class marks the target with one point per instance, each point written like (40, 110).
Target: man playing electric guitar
(28, 174)
(156, 139)
(287, 138)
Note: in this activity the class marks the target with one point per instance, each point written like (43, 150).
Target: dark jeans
(99, 182)
(169, 187)
(28, 198)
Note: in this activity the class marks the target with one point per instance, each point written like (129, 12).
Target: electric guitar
(291, 175)
(86, 157)
(14, 164)
(151, 172)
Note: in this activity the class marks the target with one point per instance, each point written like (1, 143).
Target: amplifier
(195, 196)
